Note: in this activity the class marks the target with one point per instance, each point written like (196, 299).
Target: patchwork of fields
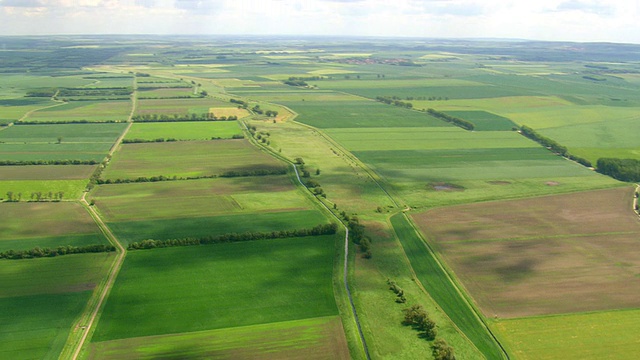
(514, 250)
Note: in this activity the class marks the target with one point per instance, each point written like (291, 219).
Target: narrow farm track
(345, 271)
(346, 238)
(89, 316)
(26, 115)
(86, 321)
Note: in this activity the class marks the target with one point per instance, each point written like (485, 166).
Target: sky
(557, 20)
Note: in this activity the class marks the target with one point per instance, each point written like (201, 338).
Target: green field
(188, 159)
(25, 189)
(435, 280)
(318, 338)
(27, 225)
(484, 121)
(197, 198)
(359, 114)
(179, 106)
(198, 130)
(13, 109)
(40, 299)
(84, 110)
(220, 286)
(177, 228)
(58, 142)
(572, 336)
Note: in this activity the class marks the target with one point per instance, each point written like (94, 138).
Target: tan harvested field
(229, 111)
(46, 172)
(547, 255)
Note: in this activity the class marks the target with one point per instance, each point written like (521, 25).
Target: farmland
(495, 235)
(198, 198)
(571, 336)
(188, 159)
(38, 311)
(559, 249)
(184, 130)
(27, 225)
(289, 278)
(83, 110)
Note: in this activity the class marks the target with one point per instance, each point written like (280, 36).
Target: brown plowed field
(547, 255)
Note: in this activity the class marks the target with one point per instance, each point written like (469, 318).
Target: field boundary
(346, 240)
(451, 280)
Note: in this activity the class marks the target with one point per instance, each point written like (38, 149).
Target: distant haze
(566, 20)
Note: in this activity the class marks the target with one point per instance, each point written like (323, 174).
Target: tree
(59, 140)
(442, 350)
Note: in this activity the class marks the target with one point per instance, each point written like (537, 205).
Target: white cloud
(579, 20)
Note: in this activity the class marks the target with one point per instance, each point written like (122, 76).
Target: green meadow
(198, 198)
(197, 130)
(320, 338)
(178, 228)
(40, 299)
(571, 336)
(220, 286)
(84, 110)
(188, 159)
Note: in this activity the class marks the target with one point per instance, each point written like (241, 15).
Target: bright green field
(434, 280)
(40, 299)
(359, 114)
(318, 338)
(197, 198)
(615, 334)
(179, 106)
(426, 138)
(188, 158)
(220, 286)
(84, 110)
(197, 130)
(614, 138)
(71, 189)
(131, 231)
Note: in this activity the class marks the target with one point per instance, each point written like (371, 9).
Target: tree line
(36, 196)
(46, 162)
(552, 145)
(323, 229)
(467, 125)
(393, 100)
(176, 117)
(227, 174)
(161, 140)
(301, 80)
(417, 318)
(60, 122)
(38, 252)
(620, 169)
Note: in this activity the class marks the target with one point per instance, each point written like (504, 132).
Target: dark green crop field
(219, 286)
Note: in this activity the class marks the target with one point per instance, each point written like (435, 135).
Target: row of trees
(301, 80)
(184, 117)
(38, 252)
(323, 229)
(620, 169)
(58, 122)
(394, 101)
(36, 196)
(46, 162)
(467, 125)
(160, 140)
(552, 145)
(418, 318)
(227, 174)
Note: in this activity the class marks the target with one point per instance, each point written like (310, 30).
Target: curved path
(345, 269)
